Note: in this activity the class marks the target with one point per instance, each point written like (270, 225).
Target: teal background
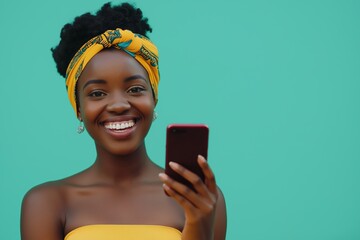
(276, 81)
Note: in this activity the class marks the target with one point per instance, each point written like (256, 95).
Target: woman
(112, 78)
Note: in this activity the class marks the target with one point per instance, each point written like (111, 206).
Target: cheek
(90, 110)
(148, 106)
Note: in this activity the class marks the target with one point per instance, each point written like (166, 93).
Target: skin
(123, 186)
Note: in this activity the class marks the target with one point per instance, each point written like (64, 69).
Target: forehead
(112, 63)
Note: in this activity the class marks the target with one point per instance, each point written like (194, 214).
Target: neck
(122, 169)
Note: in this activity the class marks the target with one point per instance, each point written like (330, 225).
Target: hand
(199, 205)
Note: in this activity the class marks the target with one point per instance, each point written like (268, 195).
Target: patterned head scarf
(136, 45)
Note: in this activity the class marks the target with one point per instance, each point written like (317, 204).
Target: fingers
(209, 175)
(184, 195)
(205, 192)
(199, 204)
(193, 178)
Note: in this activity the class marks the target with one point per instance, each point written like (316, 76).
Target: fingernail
(173, 164)
(201, 158)
(162, 176)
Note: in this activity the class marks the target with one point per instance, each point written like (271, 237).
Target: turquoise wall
(277, 81)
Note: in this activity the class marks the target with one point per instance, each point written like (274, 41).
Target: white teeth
(119, 125)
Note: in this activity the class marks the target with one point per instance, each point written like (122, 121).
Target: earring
(80, 128)
(155, 115)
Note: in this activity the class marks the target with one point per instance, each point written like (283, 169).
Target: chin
(121, 149)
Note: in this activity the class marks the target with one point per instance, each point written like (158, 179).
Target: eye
(96, 94)
(136, 89)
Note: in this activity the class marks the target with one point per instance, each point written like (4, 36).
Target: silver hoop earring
(80, 128)
(155, 115)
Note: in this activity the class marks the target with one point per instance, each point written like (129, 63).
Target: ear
(155, 103)
(78, 115)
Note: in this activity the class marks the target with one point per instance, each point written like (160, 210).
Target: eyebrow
(95, 81)
(100, 81)
(134, 77)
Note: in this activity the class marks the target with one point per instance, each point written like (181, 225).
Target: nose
(118, 103)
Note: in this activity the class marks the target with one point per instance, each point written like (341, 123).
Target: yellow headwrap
(136, 45)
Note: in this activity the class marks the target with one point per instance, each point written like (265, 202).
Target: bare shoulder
(221, 200)
(44, 200)
(41, 212)
(221, 218)
(52, 193)
(49, 192)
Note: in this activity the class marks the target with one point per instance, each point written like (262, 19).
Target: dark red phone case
(184, 142)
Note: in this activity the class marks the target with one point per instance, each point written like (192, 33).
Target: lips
(120, 128)
(119, 125)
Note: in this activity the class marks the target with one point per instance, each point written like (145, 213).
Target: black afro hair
(84, 27)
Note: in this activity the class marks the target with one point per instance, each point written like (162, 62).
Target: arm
(40, 214)
(205, 210)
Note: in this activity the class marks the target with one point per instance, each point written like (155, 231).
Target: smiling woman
(116, 102)
(111, 72)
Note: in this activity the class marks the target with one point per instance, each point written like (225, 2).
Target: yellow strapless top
(124, 232)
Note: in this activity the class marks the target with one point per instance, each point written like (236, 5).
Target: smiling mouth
(119, 126)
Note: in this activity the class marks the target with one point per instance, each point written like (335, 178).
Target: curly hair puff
(84, 27)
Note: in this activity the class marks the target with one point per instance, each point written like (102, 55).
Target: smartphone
(184, 142)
